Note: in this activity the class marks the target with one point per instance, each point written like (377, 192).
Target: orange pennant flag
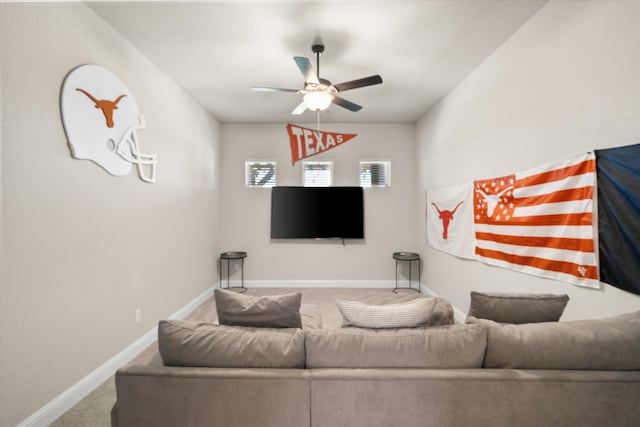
(307, 142)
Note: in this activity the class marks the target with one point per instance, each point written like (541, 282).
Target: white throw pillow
(401, 315)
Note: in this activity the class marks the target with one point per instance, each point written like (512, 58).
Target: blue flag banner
(618, 171)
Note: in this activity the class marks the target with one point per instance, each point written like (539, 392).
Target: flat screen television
(317, 213)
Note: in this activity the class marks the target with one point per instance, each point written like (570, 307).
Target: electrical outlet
(138, 315)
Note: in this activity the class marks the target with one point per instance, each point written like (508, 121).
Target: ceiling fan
(319, 93)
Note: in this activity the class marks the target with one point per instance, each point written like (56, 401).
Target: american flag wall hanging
(540, 221)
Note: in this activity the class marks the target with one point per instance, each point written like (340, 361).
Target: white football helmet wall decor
(100, 118)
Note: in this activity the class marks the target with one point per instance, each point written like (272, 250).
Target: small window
(317, 174)
(261, 173)
(375, 174)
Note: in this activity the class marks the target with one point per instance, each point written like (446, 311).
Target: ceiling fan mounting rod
(317, 49)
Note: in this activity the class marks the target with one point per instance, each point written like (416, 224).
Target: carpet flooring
(95, 409)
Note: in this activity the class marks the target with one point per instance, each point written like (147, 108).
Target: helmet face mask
(100, 118)
(127, 149)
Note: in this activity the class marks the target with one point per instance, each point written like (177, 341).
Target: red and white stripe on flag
(540, 221)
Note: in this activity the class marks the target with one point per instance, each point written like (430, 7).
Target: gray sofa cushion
(517, 308)
(277, 311)
(189, 343)
(408, 314)
(456, 346)
(600, 344)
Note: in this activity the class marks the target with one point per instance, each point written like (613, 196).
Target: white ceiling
(217, 50)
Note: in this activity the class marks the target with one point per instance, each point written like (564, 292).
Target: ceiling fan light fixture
(318, 101)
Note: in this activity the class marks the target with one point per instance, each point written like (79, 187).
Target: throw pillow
(277, 311)
(190, 343)
(454, 346)
(517, 308)
(441, 315)
(598, 344)
(407, 314)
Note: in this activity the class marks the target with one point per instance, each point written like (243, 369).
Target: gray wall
(390, 223)
(81, 249)
(567, 82)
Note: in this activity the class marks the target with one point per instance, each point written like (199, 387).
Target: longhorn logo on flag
(307, 142)
(539, 221)
(446, 216)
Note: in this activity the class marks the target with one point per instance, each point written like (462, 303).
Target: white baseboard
(74, 394)
(195, 303)
(313, 283)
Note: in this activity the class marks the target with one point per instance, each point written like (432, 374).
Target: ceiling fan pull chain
(318, 120)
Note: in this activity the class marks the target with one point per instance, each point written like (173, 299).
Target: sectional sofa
(482, 373)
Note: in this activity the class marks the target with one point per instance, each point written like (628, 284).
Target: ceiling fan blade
(353, 84)
(301, 108)
(272, 89)
(307, 69)
(346, 104)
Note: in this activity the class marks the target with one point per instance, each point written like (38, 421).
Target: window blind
(375, 174)
(317, 174)
(260, 173)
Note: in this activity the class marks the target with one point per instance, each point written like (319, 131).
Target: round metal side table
(409, 257)
(228, 257)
